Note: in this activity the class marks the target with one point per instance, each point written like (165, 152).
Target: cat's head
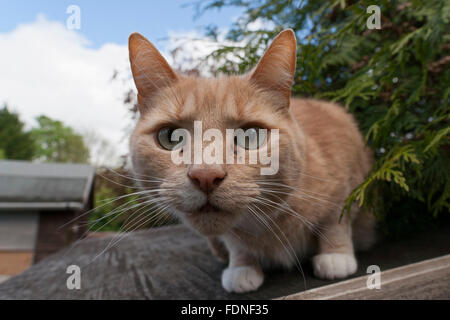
(212, 198)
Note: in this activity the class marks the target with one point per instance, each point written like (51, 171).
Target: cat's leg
(218, 249)
(335, 258)
(243, 274)
(364, 231)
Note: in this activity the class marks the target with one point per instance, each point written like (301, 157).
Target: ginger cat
(254, 220)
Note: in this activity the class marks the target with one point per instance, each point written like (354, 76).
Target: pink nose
(206, 177)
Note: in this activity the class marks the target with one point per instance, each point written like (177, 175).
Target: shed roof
(44, 186)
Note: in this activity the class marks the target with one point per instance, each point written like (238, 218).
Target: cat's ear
(151, 71)
(275, 71)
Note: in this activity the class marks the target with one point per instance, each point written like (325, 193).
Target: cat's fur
(322, 158)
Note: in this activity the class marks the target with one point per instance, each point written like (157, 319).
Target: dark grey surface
(22, 181)
(174, 263)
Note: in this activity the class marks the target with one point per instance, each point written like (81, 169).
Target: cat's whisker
(139, 223)
(291, 188)
(290, 251)
(154, 179)
(309, 176)
(122, 234)
(277, 206)
(282, 185)
(132, 216)
(140, 204)
(287, 209)
(324, 196)
(120, 184)
(298, 196)
(118, 211)
(163, 219)
(235, 234)
(148, 194)
(142, 219)
(98, 207)
(302, 196)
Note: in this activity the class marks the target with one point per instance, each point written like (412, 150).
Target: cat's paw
(241, 279)
(334, 265)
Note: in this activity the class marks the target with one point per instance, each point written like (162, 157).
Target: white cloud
(48, 69)
(186, 50)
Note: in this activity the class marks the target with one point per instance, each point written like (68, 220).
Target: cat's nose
(206, 177)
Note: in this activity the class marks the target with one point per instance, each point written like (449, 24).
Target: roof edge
(39, 206)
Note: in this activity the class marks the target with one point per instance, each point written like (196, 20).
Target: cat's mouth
(208, 207)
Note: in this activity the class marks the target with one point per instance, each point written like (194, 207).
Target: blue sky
(68, 78)
(112, 21)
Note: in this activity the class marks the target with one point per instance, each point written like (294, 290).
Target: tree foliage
(395, 80)
(56, 142)
(15, 142)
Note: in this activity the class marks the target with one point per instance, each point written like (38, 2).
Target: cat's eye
(250, 138)
(165, 139)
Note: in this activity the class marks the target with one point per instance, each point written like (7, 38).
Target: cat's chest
(276, 242)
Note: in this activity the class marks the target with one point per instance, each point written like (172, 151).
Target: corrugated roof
(44, 185)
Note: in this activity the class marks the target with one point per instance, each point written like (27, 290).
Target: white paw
(241, 279)
(334, 265)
